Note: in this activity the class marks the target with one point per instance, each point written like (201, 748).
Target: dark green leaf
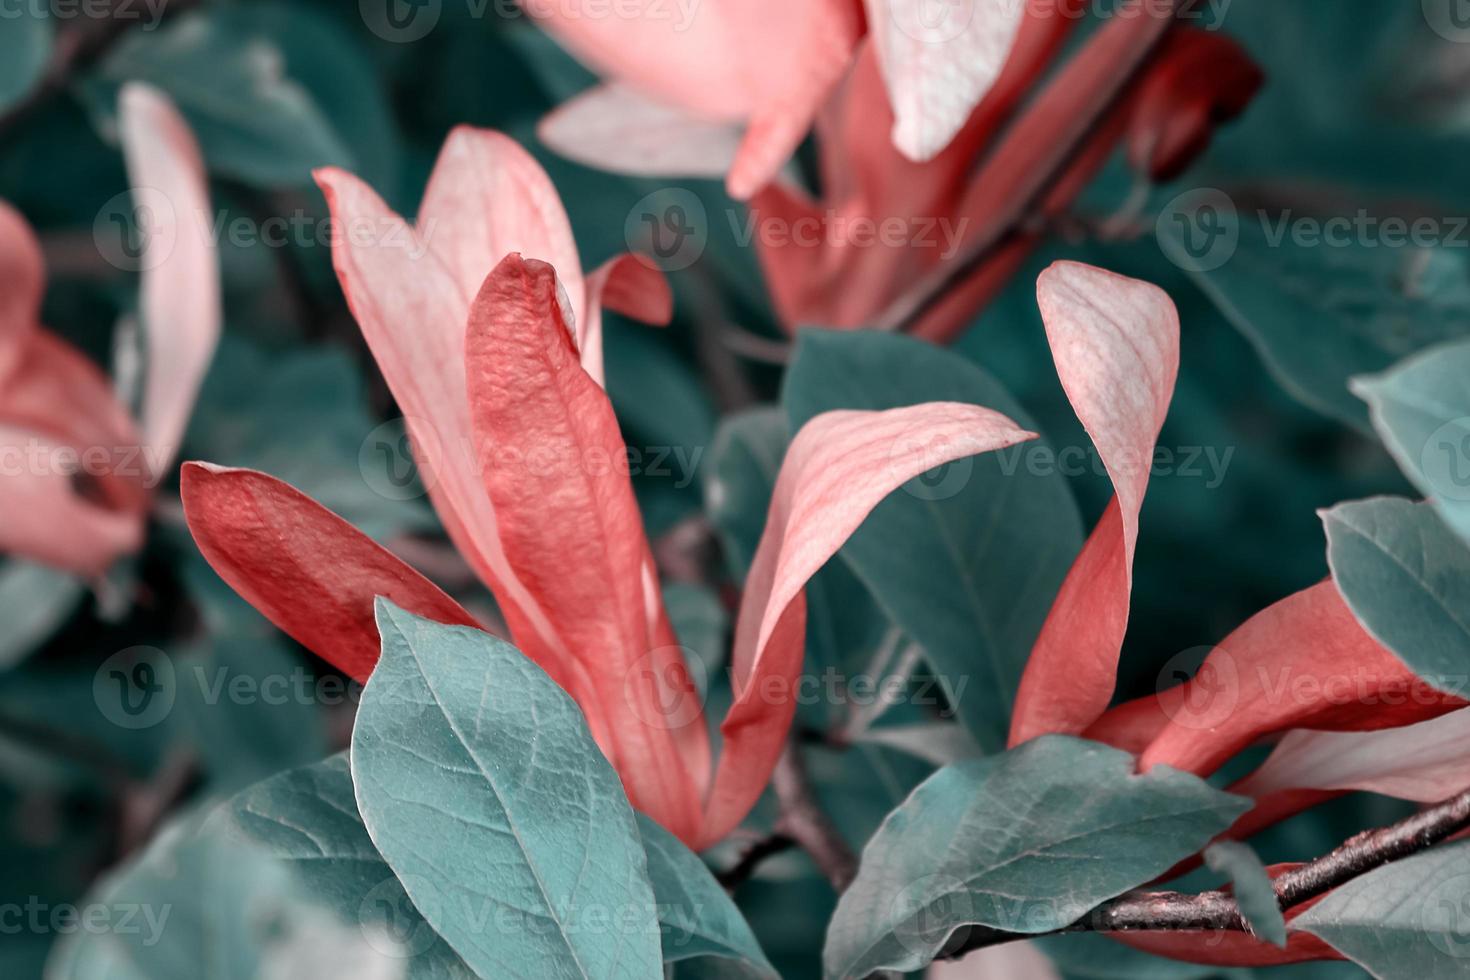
(1027, 841)
(481, 786)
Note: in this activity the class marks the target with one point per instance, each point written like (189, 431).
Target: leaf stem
(805, 822)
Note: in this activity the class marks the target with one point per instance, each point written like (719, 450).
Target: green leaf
(1409, 920)
(1253, 891)
(34, 602)
(1406, 578)
(696, 916)
(1027, 841)
(1321, 314)
(307, 820)
(1421, 411)
(967, 566)
(25, 46)
(481, 786)
(196, 903)
(253, 122)
(700, 622)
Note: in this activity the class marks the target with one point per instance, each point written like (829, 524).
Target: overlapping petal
(23, 275)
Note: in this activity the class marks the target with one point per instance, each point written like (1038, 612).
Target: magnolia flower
(481, 347)
(1116, 346)
(703, 88)
(77, 465)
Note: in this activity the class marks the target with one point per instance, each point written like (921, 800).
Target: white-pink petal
(938, 61)
(1012, 961)
(180, 299)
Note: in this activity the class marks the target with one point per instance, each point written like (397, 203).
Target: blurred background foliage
(1361, 108)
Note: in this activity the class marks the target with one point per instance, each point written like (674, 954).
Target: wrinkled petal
(838, 468)
(22, 283)
(571, 528)
(1116, 346)
(44, 518)
(939, 61)
(626, 284)
(1304, 662)
(612, 127)
(304, 568)
(181, 291)
(1426, 762)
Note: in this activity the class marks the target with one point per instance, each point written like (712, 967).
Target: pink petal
(22, 282)
(838, 468)
(1304, 662)
(626, 284)
(613, 127)
(45, 519)
(412, 312)
(766, 61)
(1116, 346)
(181, 290)
(1426, 762)
(938, 68)
(487, 198)
(1012, 961)
(570, 527)
(304, 568)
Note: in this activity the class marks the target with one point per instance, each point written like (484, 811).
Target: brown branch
(804, 821)
(1217, 910)
(740, 872)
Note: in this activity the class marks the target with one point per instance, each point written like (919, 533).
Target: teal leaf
(1409, 920)
(966, 565)
(34, 602)
(1253, 892)
(25, 46)
(307, 820)
(1406, 578)
(700, 622)
(479, 783)
(1321, 314)
(197, 903)
(744, 460)
(254, 122)
(1421, 411)
(1027, 841)
(696, 916)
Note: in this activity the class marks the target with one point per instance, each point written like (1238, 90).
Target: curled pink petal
(1116, 345)
(181, 290)
(838, 468)
(22, 282)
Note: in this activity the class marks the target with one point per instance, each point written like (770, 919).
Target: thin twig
(1217, 910)
(752, 858)
(804, 821)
